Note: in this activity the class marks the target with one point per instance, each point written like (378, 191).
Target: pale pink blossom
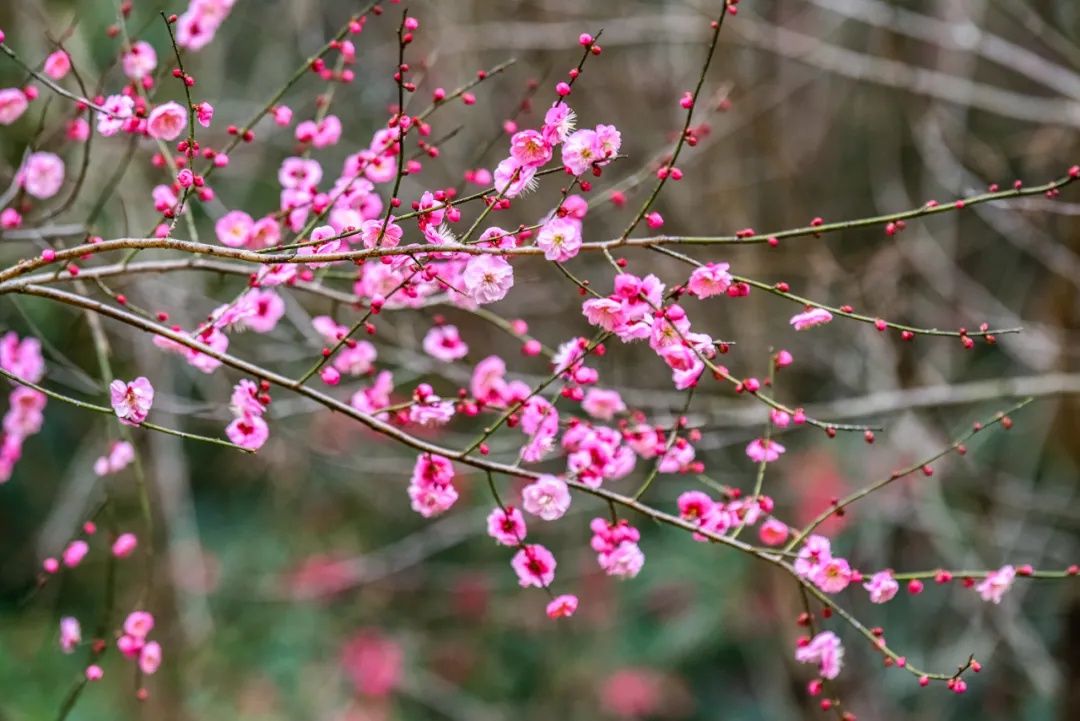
(814, 554)
(140, 61)
(487, 278)
(120, 455)
(42, 175)
(511, 178)
(431, 411)
(603, 404)
(13, 103)
(558, 123)
(300, 173)
(22, 357)
(833, 576)
(560, 239)
(764, 450)
(131, 401)
(810, 318)
(824, 650)
(882, 587)
(70, 634)
(709, 280)
(380, 233)
(993, 587)
(506, 527)
(120, 108)
(233, 228)
(139, 624)
(624, 561)
(167, 121)
(535, 566)
(150, 658)
(548, 497)
(529, 148)
(580, 151)
(607, 313)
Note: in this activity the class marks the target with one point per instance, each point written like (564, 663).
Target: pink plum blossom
(487, 278)
(534, 565)
(548, 497)
(810, 318)
(824, 650)
(13, 103)
(993, 587)
(562, 606)
(42, 175)
(507, 527)
(167, 121)
(70, 634)
(882, 587)
(444, 343)
(131, 401)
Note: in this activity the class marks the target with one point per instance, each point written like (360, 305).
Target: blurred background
(299, 585)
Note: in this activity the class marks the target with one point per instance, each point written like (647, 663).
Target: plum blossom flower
(625, 561)
(57, 64)
(507, 527)
(70, 634)
(443, 342)
(562, 606)
(815, 553)
(131, 401)
(139, 624)
(22, 357)
(547, 497)
(833, 576)
(993, 587)
(580, 151)
(204, 113)
(560, 239)
(248, 431)
(120, 455)
(603, 404)
(882, 587)
(826, 651)
(607, 313)
(140, 61)
(529, 148)
(42, 175)
(379, 233)
(167, 121)
(534, 565)
(764, 450)
(709, 280)
(150, 658)
(773, 532)
(511, 178)
(810, 318)
(233, 228)
(431, 489)
(558, 122)
(120, 108)
(487, 278)
(13, 103)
